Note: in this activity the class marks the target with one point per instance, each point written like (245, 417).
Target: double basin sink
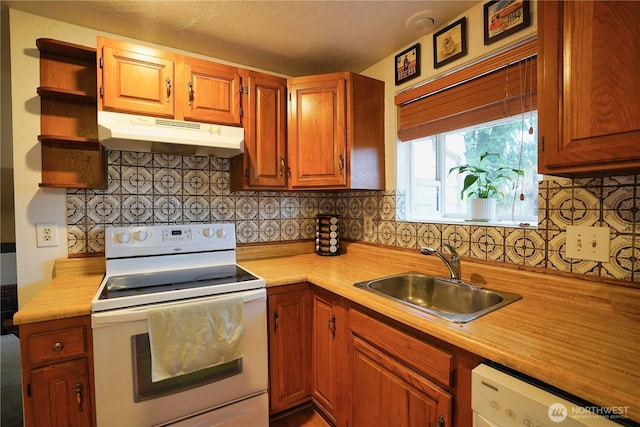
(452, 300)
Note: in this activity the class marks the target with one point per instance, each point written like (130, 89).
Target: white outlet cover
(588, 243)
(47, 234)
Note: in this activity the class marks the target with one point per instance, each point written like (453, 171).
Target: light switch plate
(588, 243)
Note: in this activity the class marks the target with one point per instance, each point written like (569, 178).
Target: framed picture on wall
(505, 17)
(450, 43)
(408, 64)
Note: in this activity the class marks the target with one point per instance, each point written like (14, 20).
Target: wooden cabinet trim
(425, 358)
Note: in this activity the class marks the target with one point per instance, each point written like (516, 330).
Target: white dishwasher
(499, 399)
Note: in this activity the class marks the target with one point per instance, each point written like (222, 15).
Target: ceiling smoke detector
(420, 21)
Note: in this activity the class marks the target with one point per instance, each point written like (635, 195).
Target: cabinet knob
(341, 163)
(283, 165)
(440, 422)
(57, 347)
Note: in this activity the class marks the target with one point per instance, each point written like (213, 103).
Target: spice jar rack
(327, 234)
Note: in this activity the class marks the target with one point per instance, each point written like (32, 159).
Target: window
(488, 106)
(432, 193)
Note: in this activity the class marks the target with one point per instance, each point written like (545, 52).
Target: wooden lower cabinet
(329, 355)
(364, 369)
(57, 373)
(386, 392)
(289, 322)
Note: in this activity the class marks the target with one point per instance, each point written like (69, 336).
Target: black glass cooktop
(162, 281)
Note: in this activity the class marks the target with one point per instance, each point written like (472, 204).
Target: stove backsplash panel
(152, 189)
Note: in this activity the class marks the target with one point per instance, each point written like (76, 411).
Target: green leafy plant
(484, 180)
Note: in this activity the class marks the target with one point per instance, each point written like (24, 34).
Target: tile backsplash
(147, 188)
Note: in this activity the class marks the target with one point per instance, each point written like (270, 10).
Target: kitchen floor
(307, 417)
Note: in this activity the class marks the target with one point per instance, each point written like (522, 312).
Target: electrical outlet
(588, 243)
(47, 234)
(368, 225)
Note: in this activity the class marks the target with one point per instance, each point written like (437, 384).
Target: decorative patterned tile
(247, 208)
(196, 209)
(625, 261)
(247, 231)
(290, 206)
(196, 183)
(406, 235)
(387, 207)
(167, 210)
(219, 183)
(326, 204)
(370, 206)
(290, 229)
(429, 235)
(146, 188)
(76, 239)
(387, 233)
(621, 209)
(268, 207)
(353, 229)
(269, 231)
(308, 206)
(308, 228)
(76, 209)
(355, 207)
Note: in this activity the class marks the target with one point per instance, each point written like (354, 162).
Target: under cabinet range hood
(128, 132)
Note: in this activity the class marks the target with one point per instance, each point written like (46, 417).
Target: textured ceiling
(289, 37)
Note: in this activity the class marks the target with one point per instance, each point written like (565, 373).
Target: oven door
(124, 392)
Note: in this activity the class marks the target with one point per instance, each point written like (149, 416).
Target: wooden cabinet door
(589, 105)
(211, 92)
(61, 394)
(136, 82)
(387, 393)
(324, 353)
(318, 132)
(264, 164)
(289, 348)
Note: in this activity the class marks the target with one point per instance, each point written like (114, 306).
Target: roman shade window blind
(501, 86)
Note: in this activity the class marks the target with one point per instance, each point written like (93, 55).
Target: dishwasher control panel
(501, 399)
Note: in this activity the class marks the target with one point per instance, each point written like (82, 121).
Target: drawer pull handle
(57, 347)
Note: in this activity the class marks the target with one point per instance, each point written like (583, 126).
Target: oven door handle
(134, 314)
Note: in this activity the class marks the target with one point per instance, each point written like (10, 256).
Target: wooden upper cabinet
(136, 79)
(264, 163)
(318, 132)
(140, 80)
(211, 92)
(336, 132)
(589, 91)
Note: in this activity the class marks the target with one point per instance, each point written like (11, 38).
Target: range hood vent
(127, 132)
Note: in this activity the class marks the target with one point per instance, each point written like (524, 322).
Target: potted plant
(485, 182)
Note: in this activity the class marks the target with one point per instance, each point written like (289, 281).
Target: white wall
(384, 70)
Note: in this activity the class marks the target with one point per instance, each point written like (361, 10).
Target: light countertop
(580, 336)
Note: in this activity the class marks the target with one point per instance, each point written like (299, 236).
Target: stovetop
(154, 264)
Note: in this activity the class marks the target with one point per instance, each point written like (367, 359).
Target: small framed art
(505, 17)
(450, 43)
(408, 64)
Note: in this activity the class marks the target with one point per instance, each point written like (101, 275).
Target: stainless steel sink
(455, 301)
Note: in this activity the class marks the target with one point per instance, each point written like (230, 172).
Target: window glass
(434, 194)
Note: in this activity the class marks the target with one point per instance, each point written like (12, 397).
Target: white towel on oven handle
(189, 337)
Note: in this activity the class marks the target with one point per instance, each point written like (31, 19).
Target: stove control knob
(208, 232)
(123, 237)
(140, 235)
(221, 233)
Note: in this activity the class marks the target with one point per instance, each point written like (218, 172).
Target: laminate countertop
(578, 335)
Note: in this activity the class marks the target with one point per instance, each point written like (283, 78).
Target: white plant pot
(483, 209)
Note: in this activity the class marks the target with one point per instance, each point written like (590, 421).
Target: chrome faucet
(452, 263)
